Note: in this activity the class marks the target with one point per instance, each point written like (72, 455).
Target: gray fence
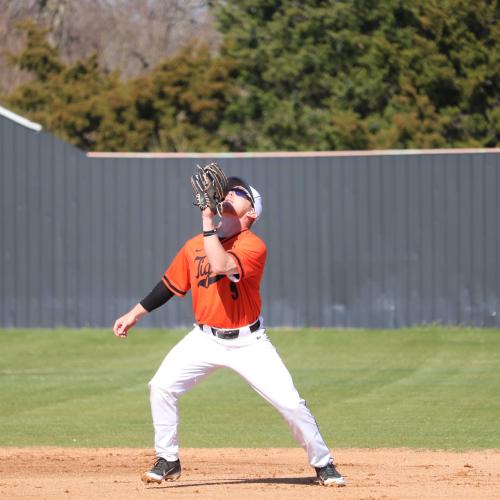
(368, 240)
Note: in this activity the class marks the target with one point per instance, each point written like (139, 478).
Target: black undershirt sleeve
(158, 296)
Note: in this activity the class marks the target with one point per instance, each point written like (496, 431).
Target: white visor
(257, 201)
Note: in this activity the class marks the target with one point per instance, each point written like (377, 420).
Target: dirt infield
(66, 473)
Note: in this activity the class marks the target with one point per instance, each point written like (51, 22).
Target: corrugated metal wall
(353, 241)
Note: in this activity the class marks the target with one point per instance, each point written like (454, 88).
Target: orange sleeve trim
(238, 262)
(174, 289)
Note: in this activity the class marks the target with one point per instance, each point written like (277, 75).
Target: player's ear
(251, 215)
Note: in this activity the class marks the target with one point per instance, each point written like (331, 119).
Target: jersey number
(234, 290)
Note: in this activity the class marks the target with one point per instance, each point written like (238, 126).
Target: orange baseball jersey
(219, 300)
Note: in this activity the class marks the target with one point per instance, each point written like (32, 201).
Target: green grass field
(431, 387)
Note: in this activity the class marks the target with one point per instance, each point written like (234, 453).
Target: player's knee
(162, 391)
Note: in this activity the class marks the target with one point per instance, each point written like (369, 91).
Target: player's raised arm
(221, 262)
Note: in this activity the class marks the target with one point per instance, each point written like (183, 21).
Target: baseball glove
(209, 187)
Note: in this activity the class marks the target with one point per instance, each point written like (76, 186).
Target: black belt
(232, 334)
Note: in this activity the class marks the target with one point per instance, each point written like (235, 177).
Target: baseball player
(223, 267)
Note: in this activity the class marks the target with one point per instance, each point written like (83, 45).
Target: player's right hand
(123, 324)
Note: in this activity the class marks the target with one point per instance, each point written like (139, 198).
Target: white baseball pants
(254, 358)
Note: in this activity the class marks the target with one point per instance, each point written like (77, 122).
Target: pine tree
(177, 106)
(356, 74)
(61, 97)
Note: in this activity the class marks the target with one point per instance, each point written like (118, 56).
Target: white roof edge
(297, 154)
(20, 119)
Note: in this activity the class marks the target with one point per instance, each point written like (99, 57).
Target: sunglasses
(242, 194)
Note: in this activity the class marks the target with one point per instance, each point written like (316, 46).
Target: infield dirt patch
(229, 473)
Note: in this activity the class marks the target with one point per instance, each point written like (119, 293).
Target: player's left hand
(207, 213)
(209, 186)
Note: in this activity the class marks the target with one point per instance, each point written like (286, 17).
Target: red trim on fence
(298, 154)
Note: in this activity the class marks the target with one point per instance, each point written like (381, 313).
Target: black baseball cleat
(163, 471)
(329, 476)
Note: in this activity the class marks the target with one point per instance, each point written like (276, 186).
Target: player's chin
(227, 208)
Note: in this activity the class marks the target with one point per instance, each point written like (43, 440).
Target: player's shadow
(306, 481)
